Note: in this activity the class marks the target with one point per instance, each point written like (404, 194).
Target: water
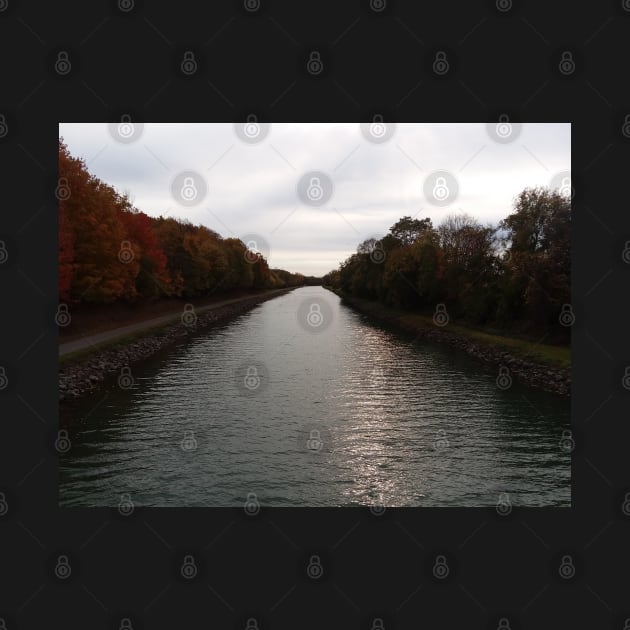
(349, 415)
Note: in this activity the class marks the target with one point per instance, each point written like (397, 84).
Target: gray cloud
(252, 187)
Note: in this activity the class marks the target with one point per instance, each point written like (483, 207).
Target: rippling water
(350, 414)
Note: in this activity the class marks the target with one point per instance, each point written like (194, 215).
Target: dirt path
(94, 340)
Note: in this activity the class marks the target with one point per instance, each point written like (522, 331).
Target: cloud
(252, 188)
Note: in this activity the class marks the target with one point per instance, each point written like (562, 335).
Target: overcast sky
(252, 185)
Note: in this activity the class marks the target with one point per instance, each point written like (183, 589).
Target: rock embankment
(548, 378)
(83, 375)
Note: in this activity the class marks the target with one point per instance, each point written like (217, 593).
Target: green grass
(157, 330)
(87, 353)
(519, 347)
(527, 349)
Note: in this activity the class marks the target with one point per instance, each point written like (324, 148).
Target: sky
(306, 194)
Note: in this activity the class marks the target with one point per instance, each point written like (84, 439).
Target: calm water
(337, 414)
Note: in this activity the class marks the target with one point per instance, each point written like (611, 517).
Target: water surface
(351, 414)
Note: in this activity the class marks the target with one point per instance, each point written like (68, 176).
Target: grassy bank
(531, 351)
(527, 349)
(84, 354)
(107, 352)
(125, 325)
(90, 319)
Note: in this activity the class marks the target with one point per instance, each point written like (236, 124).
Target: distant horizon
(372, 183)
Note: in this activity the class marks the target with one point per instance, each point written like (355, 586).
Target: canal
(304, 402)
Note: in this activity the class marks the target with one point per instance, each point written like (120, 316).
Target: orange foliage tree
(108, 250)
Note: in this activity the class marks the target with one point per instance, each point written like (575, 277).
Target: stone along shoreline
(84, 371)
(533, 373)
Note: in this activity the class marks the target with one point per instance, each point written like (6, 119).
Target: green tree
(407, 230)
(538, 237)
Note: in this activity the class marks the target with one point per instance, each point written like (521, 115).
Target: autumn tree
(538, 240)
(407, 230)
(515, 275)
(66, 253)
(152, 279)
(92, 208)
(109, 250)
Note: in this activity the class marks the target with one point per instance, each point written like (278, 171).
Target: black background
(373, 565)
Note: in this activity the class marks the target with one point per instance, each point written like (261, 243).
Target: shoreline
(539, 374)
(82, 371)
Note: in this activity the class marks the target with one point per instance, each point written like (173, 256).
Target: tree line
(109, 250)
(515, 275)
